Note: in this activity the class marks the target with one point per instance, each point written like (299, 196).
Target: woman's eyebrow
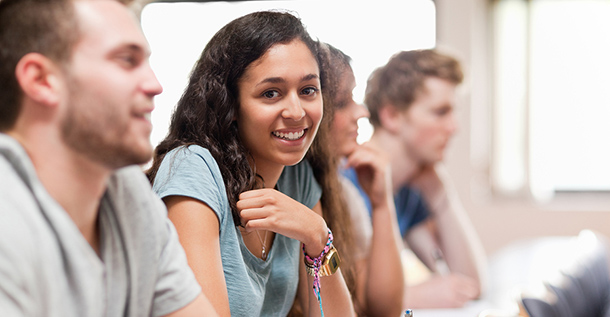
(310, 77)
(277, 80)
(271, 80)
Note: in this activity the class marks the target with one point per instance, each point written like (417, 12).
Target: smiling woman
(232, 174)
(273, 91)
(177, 32)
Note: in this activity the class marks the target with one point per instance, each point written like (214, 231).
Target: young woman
(231, 172)
(379, 279)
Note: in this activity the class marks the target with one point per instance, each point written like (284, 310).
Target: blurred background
(531, 155)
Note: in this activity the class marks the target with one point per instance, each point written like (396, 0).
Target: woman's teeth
(291, 136)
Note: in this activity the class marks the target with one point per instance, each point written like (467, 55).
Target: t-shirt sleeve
(421, 212)
(176, 285)
(411, 209)
(155, 249)
(192, 172)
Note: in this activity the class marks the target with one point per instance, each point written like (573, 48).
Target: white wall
(462, 27)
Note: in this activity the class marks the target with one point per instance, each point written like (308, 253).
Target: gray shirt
(47, 268)
(255, 287)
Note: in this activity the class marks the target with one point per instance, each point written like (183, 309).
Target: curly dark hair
(325, 165)
(206, 111)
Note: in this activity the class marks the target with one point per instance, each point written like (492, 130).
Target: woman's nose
(293, 109)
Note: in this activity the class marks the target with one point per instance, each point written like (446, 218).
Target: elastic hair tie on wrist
(317, 263)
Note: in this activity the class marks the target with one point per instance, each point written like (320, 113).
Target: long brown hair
(326, 166)
(205, 113)
(326, 170)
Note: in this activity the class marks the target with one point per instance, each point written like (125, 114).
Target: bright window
(552, 96)
(370, 32)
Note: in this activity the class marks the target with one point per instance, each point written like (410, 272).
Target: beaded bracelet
(317, 263)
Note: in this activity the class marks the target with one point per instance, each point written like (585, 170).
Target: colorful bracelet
(316, 263)
(324, 251)
(330, 264)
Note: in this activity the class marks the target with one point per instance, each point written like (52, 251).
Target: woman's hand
(374, 173)
(269, 209)
(380, 275)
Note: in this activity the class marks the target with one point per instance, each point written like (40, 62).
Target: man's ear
(38, 77)
(389, 117)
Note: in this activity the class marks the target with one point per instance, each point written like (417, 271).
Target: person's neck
(404, 166)
(270, 174)
(72, 179)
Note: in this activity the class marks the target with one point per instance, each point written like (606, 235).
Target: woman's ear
(390, 118)
(39, 79)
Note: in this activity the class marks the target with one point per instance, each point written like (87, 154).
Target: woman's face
(344, 129)
(280, 105)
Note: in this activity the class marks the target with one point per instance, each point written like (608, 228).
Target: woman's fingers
(254, 193)
(256, 224)
(268, 209)
(257, 198)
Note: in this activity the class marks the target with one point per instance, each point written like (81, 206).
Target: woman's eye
(271, 94)
(310, 91)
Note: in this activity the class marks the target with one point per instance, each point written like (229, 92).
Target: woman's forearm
(385, 277)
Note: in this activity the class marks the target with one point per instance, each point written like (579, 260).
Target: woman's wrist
(311, 259)
(324, 264)
(319, 237)
(382, 203)
(316, 238)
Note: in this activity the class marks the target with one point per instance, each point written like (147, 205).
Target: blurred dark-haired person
(379, 281)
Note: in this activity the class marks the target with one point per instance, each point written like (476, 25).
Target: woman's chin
(293, 159)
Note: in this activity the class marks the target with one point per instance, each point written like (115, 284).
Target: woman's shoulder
(191, 171)
(189, 157)
(186, 152)
(189, 167)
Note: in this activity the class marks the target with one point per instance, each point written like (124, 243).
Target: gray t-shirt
(47, 268)
(255, 287)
